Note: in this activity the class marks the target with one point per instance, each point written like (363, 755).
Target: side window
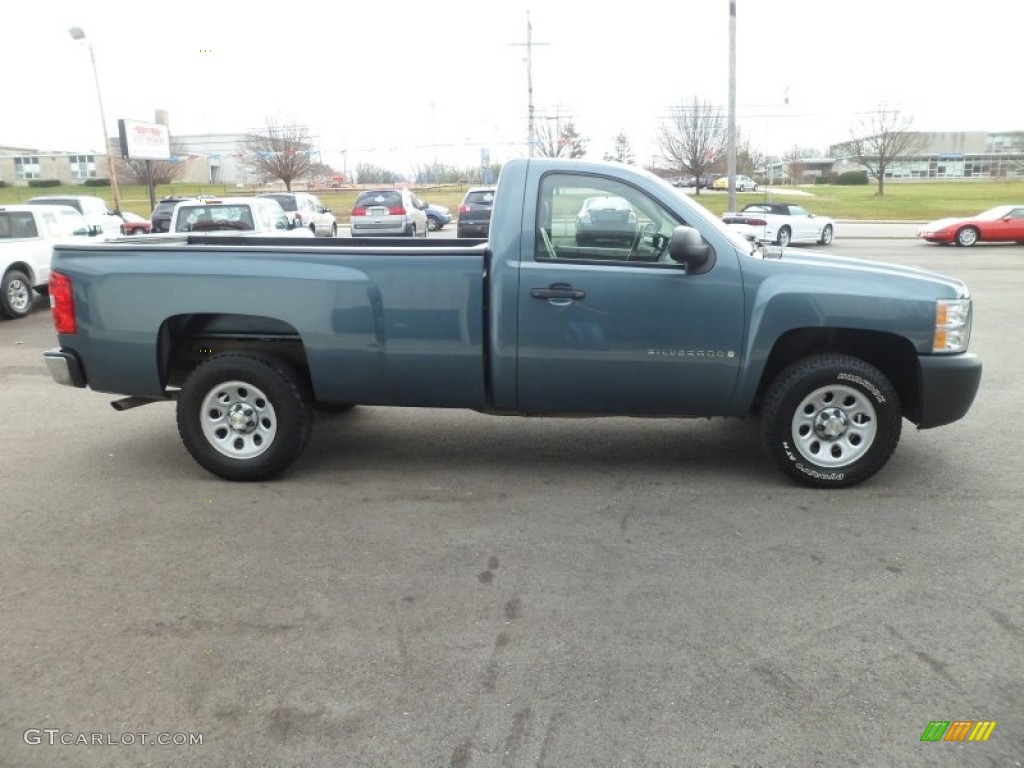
(590, 218)
(51, 221)
(23, 225)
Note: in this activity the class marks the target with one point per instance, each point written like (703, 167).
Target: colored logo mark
(958, 730)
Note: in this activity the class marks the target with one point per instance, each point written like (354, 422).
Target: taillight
(358, 211)
(62, 303)
(464, 209)
(396, 210)
(756, 222)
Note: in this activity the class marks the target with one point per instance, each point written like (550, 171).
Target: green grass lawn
(914, 201)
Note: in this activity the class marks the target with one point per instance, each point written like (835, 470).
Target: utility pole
(731, 155)
(531, 134)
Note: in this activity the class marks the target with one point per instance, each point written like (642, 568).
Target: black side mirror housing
(686, 246)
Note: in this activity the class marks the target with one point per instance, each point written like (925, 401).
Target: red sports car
(1004, 223)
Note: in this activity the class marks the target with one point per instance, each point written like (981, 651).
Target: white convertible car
(781, 224)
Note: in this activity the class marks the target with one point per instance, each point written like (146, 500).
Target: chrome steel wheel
(19, 295)
(238, 420)
(834, 426)
(15, 295)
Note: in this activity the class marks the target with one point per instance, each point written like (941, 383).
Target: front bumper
(64, 367)
(948, 387)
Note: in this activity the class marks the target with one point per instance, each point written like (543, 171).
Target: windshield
(287, 201)
(994, 214)
(202, 218)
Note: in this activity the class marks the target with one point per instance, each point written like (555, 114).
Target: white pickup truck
(27, 236)
(234, 216)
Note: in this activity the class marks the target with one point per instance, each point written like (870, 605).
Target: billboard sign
(144, 141)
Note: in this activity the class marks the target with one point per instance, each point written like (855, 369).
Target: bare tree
(882, 138)
(748, 159)
(557, 139)
(280, 151)
(368, 173)
(692, 138)
(795, 162)
(164, 171)
(623, 152)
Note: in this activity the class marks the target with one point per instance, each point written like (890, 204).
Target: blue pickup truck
(601, 290)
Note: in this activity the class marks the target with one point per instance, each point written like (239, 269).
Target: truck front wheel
(830, 421)
(244, 417)
(15, 295)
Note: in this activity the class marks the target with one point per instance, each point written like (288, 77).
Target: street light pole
(78, 34)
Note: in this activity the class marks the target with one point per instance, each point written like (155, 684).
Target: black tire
(826, 235)
(265, 400)
(967, 236)
(433, 224)
(782, 239)
(830, 421)
(15, 295)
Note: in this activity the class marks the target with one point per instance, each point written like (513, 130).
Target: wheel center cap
(242, 418)
(831, 423)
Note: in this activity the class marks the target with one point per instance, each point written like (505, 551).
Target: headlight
(952, 325)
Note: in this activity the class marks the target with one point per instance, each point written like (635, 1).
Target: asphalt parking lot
(442, 588)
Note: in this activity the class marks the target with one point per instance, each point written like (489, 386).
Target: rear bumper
(469, 229)
(64, 367)
(948, 387)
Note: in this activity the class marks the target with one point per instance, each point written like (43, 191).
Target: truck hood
(863, 268)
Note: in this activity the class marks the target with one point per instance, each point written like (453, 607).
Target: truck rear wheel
(244, 417)
(830, 421)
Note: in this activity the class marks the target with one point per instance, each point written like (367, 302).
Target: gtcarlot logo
(55, 736)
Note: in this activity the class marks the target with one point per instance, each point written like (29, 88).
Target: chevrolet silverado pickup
(683, 318)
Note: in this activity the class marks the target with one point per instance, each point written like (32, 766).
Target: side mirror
(686, 246)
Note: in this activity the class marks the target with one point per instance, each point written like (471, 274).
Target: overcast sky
(401, 82)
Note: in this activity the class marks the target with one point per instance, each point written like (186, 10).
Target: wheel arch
(25, 268)
(890, 353)
(184, 341)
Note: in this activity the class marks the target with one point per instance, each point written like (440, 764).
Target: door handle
(559, 292)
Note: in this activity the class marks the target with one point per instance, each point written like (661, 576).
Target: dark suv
(475, 212)
(161, 218)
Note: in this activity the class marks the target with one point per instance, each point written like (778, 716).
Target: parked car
(160, 219)
(94, 209)
(135, 224)
(388, 213)
(691, 181)
(306, 210)
(781, 224)
(438, 217)
(1004, 223)
(475, 212)
(605, 219)
(234, 216)
(743, 184)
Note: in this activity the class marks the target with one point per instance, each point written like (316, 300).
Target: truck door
(607, 323)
